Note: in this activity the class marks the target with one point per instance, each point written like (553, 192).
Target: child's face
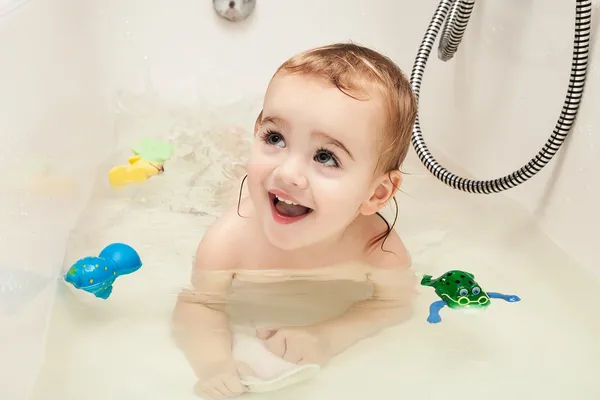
(316, 147)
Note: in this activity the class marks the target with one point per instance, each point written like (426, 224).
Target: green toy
(458, 289)
(153, 150)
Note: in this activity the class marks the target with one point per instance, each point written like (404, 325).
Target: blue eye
(476, 290)
(463, 292)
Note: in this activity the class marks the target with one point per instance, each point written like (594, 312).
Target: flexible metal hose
(454, 28)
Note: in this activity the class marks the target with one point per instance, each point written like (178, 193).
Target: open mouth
(286, 211)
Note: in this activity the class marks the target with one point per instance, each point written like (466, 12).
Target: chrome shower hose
(454, 15)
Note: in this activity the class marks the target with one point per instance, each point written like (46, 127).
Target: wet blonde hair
(355, 70)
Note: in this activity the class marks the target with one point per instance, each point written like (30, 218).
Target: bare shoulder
(215, 259)
(391, 273)
(390, 252)
(215, 250)
(393, 253)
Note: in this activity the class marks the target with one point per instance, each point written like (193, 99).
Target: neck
(318, 254)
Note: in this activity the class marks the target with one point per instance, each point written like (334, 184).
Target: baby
(329, 142)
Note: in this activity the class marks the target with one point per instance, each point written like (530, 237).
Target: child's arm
(200, 324)
(394, 289)
(391, 304)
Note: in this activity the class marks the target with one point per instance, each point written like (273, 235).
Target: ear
(383, 190)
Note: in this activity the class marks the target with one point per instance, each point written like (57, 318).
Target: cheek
(259, 167)
(342, 196)
(256, 172)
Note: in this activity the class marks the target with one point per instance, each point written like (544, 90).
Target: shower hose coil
(452, 17)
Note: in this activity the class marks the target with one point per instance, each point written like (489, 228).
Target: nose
(291, 173)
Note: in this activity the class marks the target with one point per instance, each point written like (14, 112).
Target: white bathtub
(63, 64)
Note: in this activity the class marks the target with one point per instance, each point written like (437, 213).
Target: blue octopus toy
(96, 275)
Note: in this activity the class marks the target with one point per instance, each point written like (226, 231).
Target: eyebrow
(275, 121)
(334, 142)
(283, 123)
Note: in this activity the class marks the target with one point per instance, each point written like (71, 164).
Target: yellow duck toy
(147, 162)
(138, 171)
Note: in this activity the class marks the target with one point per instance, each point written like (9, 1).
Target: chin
(291, 237)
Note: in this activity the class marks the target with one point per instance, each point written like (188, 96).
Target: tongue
(291, 210)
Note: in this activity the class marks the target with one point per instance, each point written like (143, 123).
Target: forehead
(312, 103)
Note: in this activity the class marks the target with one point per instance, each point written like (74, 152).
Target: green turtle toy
(458, 289)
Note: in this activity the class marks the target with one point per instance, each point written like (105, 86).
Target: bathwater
(545, 346)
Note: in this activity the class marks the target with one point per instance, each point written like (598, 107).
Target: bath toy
(138, 171)
(148, 161)
(459, 290)
(154, 151)
(96, 275)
